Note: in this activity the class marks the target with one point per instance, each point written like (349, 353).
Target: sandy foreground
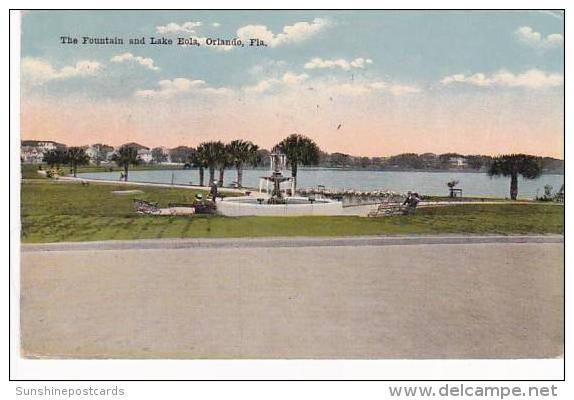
(484, 300)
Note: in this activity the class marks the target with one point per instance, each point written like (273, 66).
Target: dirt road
(480, 300)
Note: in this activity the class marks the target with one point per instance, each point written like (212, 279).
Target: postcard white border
(257, 369)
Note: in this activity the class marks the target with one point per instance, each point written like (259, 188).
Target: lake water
(428, 183)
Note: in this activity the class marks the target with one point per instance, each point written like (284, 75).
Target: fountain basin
(251, 206)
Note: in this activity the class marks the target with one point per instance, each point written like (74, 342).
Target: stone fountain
(272, 200)
(275, 178)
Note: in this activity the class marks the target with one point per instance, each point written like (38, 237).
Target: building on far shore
(99, 153)
(458, 162)
(166, 153)
(144, 153)
(32, 151)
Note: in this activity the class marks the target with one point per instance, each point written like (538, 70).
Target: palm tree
(513, 165)
(299, 150)
(225, 161)
(76, 156)
(125, 157)
(242, 152)
(199, 161)
(211, 156)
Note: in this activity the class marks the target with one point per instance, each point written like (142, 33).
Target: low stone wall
(233, 207)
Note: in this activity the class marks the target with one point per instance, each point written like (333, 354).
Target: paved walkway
(271, 242)
(166, 185)
(327, 298)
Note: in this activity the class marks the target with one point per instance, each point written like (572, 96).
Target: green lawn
(55, 211)
(30, 171)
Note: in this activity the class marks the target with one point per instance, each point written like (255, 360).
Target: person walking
(213, 191)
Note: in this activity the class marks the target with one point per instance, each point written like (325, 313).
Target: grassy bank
(30, 171)
(63, 211)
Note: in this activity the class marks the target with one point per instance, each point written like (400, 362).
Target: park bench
(392, 206)
(455, 193)
(387, 207)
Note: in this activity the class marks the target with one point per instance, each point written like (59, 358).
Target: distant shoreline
(466, 171)
(179, 167)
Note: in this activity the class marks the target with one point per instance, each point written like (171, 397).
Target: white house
(99, 153)
(92, 152)
(32, 151)
(31, 155)
(459, 162)
(144, 153)
(165, 152)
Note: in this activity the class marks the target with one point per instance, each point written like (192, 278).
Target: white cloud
(290, 78)
(319, 63)
(217, 91)
(173, 27)
(266, 85)
(371, 87)
(36, 71)
(330, 86)
(129, 57)
(298, 32)
(530, 37)
(179, 86)
(533, 79)
(191, 28)
(262, 86)
(400, 89)
(170, 88)
(478, 79)
(267, 66)
(360, 62)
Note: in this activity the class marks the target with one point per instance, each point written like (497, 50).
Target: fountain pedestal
(278, 164)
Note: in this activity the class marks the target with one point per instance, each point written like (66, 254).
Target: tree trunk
(221, 173)
(126, 173)
(240, 176)
(294, 175)
(211, 175)
(75, 169)
(513, 186)
(201, 174)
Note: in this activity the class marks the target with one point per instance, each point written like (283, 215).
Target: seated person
(411, 203)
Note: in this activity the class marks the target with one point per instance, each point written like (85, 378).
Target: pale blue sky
(443, 78)
(410, 46)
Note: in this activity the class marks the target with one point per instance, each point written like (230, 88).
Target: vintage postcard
(301, 184)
